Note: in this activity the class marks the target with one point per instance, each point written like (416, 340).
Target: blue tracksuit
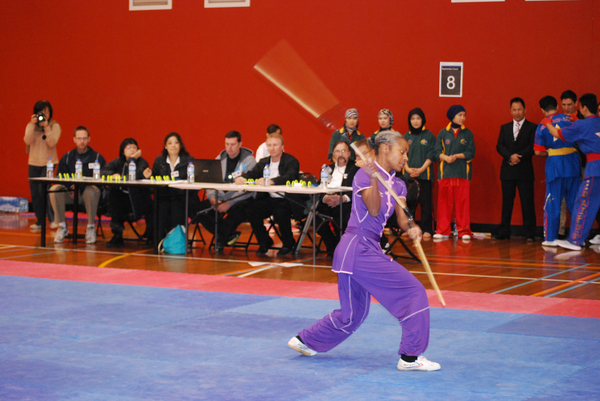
(587, 134)
(563, 171)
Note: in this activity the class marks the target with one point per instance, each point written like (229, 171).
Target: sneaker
(440, 236)
(116, 241)
(54, 225)
(421, 364)
(550, 243)
(35, 226)
(299, 346)
(61, 234)
(233, 238)
(90, 235)
(567, 245)
(465, 237)
(595, 240)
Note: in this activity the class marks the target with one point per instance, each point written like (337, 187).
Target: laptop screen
(208, 170)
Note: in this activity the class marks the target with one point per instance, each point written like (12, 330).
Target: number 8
(451, 84)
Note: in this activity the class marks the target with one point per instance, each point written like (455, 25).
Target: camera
(40, 117)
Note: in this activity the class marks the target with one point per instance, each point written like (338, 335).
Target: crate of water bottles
(11, 204)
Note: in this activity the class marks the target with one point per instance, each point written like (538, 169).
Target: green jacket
(340, 136)
(449, 145)
(421, 147)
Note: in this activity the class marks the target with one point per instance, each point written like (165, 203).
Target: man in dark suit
(282, 167)
(515, 145)
(343, 171)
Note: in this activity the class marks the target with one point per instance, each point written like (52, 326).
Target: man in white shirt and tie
(515, 145)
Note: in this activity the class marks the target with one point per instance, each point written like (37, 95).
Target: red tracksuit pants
(453, 193)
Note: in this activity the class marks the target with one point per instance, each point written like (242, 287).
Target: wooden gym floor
(480, 265)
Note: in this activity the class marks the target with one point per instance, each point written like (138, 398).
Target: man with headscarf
(349, 133)
(421, 156)
(455, 149)
(385, 119)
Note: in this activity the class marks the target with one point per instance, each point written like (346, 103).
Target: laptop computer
(208, 170)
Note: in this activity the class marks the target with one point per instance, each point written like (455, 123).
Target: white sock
(63, 224)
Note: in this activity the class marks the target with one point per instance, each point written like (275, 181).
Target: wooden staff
(417, 243)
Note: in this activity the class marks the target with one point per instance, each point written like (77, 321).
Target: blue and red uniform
(563, 172)
(364, 270)
(586, 133)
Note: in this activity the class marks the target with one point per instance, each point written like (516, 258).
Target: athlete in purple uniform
(586, 133)
(364, 270)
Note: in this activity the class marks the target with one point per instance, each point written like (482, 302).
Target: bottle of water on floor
(50, 169)
(324, 176)
(131, 175)
(78, 169)
(267, 174)
(191, 172)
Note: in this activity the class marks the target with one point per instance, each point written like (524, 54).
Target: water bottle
(267, 174)
(324, 176)
(96, 170)
(50, 169)
(131, 176)
(78, 169)
(191, 172)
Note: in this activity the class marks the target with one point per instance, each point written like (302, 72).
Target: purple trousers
(373, 273)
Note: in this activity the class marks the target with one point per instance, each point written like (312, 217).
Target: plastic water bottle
(324, 176)
(267, 174)
(96, 170)
(191, 172)
(131, 175)
(50, 169)
(78, 169)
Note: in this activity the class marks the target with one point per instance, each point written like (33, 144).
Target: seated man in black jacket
(343, 172)
(125, 200)
(89, 194)
(283, 167)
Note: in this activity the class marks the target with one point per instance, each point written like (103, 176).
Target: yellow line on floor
(104, 264)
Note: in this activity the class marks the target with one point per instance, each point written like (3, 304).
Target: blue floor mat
(63, 340)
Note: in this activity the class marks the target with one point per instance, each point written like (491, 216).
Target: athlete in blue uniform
(587, 134)
(563, 169)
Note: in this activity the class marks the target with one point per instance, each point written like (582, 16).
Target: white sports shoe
(595, 240)
(440, 236)
(567, 245)
(60, 235)
(299, 346)
(90, 235)
(465, 237)
(422, 364)
(550, 243)
(54, 225)
(35, 227)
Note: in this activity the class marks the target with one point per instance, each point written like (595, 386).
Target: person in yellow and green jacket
(349, 133)
(421, 156)
(385, 118)
(455, 149)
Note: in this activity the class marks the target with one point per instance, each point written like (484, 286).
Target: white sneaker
(54, 225)
(550, 243)
(90, 235)
(465, 237)
(567, 245)
(440, 236)
(60, 235)
(595, 240)
(421, 364)
(35, 227)
(299, 346)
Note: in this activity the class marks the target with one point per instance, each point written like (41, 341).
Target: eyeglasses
(340, 151)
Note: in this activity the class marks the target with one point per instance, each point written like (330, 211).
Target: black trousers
(331, 236)
(426, 203)
(36, 195)
(120, 206)
(280, 209)
(227, 222)
(509, 192)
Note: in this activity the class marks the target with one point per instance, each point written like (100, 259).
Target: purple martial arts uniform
(364, 270)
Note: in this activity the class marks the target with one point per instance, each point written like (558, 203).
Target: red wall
(190, 70)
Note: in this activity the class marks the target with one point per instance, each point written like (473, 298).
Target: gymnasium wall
(144, 74)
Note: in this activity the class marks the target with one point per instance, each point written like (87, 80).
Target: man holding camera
(41, 136)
